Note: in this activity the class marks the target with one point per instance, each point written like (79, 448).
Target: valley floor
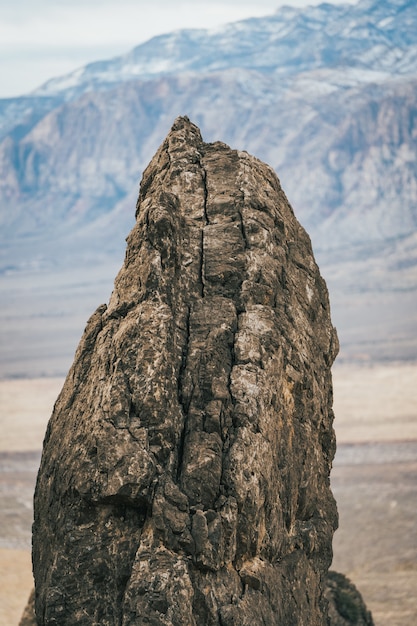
(374, 482)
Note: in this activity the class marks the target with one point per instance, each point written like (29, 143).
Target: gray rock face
(185, 472)
(346, 605)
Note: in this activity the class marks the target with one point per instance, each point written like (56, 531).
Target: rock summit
(185, 472)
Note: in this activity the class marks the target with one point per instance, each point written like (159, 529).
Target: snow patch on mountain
(288, 42)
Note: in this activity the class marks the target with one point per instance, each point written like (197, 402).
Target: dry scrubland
(374, 481)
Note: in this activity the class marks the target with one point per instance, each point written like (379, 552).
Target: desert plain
(374, 480)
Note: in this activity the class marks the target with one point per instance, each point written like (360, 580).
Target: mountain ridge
(212, 50)
(137, 63)
(340, 135)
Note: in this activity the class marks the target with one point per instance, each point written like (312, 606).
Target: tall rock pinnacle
(185, 471)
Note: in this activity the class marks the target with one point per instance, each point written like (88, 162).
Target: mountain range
(326, 95)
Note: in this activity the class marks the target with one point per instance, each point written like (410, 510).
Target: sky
(41, 39)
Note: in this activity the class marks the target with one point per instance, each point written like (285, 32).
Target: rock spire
(185, 472)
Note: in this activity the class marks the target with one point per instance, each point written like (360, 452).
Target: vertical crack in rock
(184, 479)
(185, 404)
(204, 224)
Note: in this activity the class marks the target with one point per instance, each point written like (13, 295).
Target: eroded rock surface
(185, 472)
(346, 605)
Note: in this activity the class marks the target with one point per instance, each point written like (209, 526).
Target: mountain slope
(325, 95)
(376, 36)
(357, 153)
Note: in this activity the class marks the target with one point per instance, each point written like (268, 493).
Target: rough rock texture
(346, 605)
(185, 472)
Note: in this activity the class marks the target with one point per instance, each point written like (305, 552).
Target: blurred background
(324, 93)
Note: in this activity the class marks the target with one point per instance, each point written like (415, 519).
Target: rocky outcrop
(185, 471)
(346, 605)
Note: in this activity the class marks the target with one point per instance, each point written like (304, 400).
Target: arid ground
(374, 481)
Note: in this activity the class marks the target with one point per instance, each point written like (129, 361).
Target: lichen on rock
(185, 470)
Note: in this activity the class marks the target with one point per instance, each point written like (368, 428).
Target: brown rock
(346, 605)
(185, 472)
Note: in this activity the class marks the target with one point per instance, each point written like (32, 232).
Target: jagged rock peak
(185, 472)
